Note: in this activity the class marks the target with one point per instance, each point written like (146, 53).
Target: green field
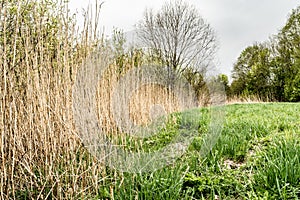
(257, 156)
(51, 148)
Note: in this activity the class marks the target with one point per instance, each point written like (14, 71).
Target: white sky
(238, 23)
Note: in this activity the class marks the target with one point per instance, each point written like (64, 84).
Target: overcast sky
(238, 23)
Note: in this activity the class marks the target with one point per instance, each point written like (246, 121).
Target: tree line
(271, 70)
(176, 37)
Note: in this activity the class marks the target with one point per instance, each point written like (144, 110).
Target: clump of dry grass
(140, 103)
(41, 155)
(244, 99)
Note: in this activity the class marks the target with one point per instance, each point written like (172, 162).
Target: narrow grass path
(257, 156)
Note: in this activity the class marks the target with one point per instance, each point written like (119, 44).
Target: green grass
(257, 156)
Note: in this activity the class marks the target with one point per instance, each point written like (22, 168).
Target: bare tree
(179, 36)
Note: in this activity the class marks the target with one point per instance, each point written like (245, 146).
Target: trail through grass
(256, 157)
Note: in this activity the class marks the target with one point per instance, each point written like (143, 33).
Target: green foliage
(223, 79)
(251, 73)
(162, 184)
(271, 70)
(196, 80)
(124, 56)
(226, 183)
(256, 157)
(287, 49)
(279, 169)
(118, 42)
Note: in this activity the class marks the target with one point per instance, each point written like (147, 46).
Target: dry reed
(41, 154)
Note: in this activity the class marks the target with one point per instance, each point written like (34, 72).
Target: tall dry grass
(41, 155)
(245, 99)
(41, 51)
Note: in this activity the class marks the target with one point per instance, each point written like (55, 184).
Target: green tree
(223, 79)
(196, 80)
(272, 72)
(286, 64)
(252, 74)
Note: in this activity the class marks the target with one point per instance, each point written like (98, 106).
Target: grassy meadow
(256, 157)
(42, 155)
